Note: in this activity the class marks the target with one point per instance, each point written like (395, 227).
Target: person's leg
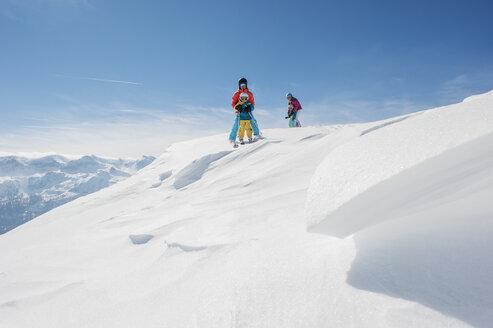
(234, 130)
(241, 133)
(248, 127)
(297, 119)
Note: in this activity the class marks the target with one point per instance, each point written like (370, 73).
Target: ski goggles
(244, 99)
(243, 85)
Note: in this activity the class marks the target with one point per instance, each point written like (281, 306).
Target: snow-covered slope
(382, 153)
(208, 236)
(32, 184)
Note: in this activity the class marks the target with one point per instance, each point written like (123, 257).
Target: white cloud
(132, 133)
(456, 89)
(462, 86)
(120, 130)
(353, 108)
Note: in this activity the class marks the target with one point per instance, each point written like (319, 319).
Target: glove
(239, 108)
(248, 109)
(286, 117)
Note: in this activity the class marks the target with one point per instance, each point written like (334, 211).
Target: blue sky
(124, 78)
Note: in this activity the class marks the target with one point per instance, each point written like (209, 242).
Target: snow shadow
(140, 239)
(165, 175)
(194, 171)
(429, 238)
(185, 248)
(384, 125)
(162, 177)
(314, 137)
(447, 268)
(190, 248)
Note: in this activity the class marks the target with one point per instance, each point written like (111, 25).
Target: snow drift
(207, 236)
(383, 152)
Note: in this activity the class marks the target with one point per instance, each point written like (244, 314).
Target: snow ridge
(383, 153)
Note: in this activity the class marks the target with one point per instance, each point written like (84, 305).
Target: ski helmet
(242, 81)
(244, 95)
(289, 95)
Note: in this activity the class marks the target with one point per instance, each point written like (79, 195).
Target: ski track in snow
(207, 236)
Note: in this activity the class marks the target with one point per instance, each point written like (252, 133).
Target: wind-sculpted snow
(416, 198)
(30, 186)
(377, 156)
(207, 236)
(196, 169)
(430, 242)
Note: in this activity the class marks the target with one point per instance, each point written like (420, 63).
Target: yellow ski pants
(245, 125)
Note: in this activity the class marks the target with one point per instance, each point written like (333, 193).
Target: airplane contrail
(102, 80)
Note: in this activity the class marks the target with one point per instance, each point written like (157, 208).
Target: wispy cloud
(49, 127)
(121, 129)
(98, 79)
(121, 132)
(456, 88)
(462, 86)
(356, 108)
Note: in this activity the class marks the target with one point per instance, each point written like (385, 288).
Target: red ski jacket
(236, 97)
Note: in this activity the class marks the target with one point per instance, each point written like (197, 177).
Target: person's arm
(235, 99)
(238, 108)
(251, 99)
(247, 108)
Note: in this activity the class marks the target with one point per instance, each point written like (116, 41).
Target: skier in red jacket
(242, 87)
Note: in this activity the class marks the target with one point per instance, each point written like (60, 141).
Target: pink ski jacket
(296, 104)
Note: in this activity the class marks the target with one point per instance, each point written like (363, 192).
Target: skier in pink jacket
(293, 111)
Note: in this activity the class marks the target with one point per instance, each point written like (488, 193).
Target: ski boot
(242, 142)
(250, 140)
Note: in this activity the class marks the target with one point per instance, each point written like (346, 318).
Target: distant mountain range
(33, 185)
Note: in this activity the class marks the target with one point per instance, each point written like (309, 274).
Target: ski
(237, 144)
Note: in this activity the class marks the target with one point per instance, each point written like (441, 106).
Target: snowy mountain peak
(33, 184)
